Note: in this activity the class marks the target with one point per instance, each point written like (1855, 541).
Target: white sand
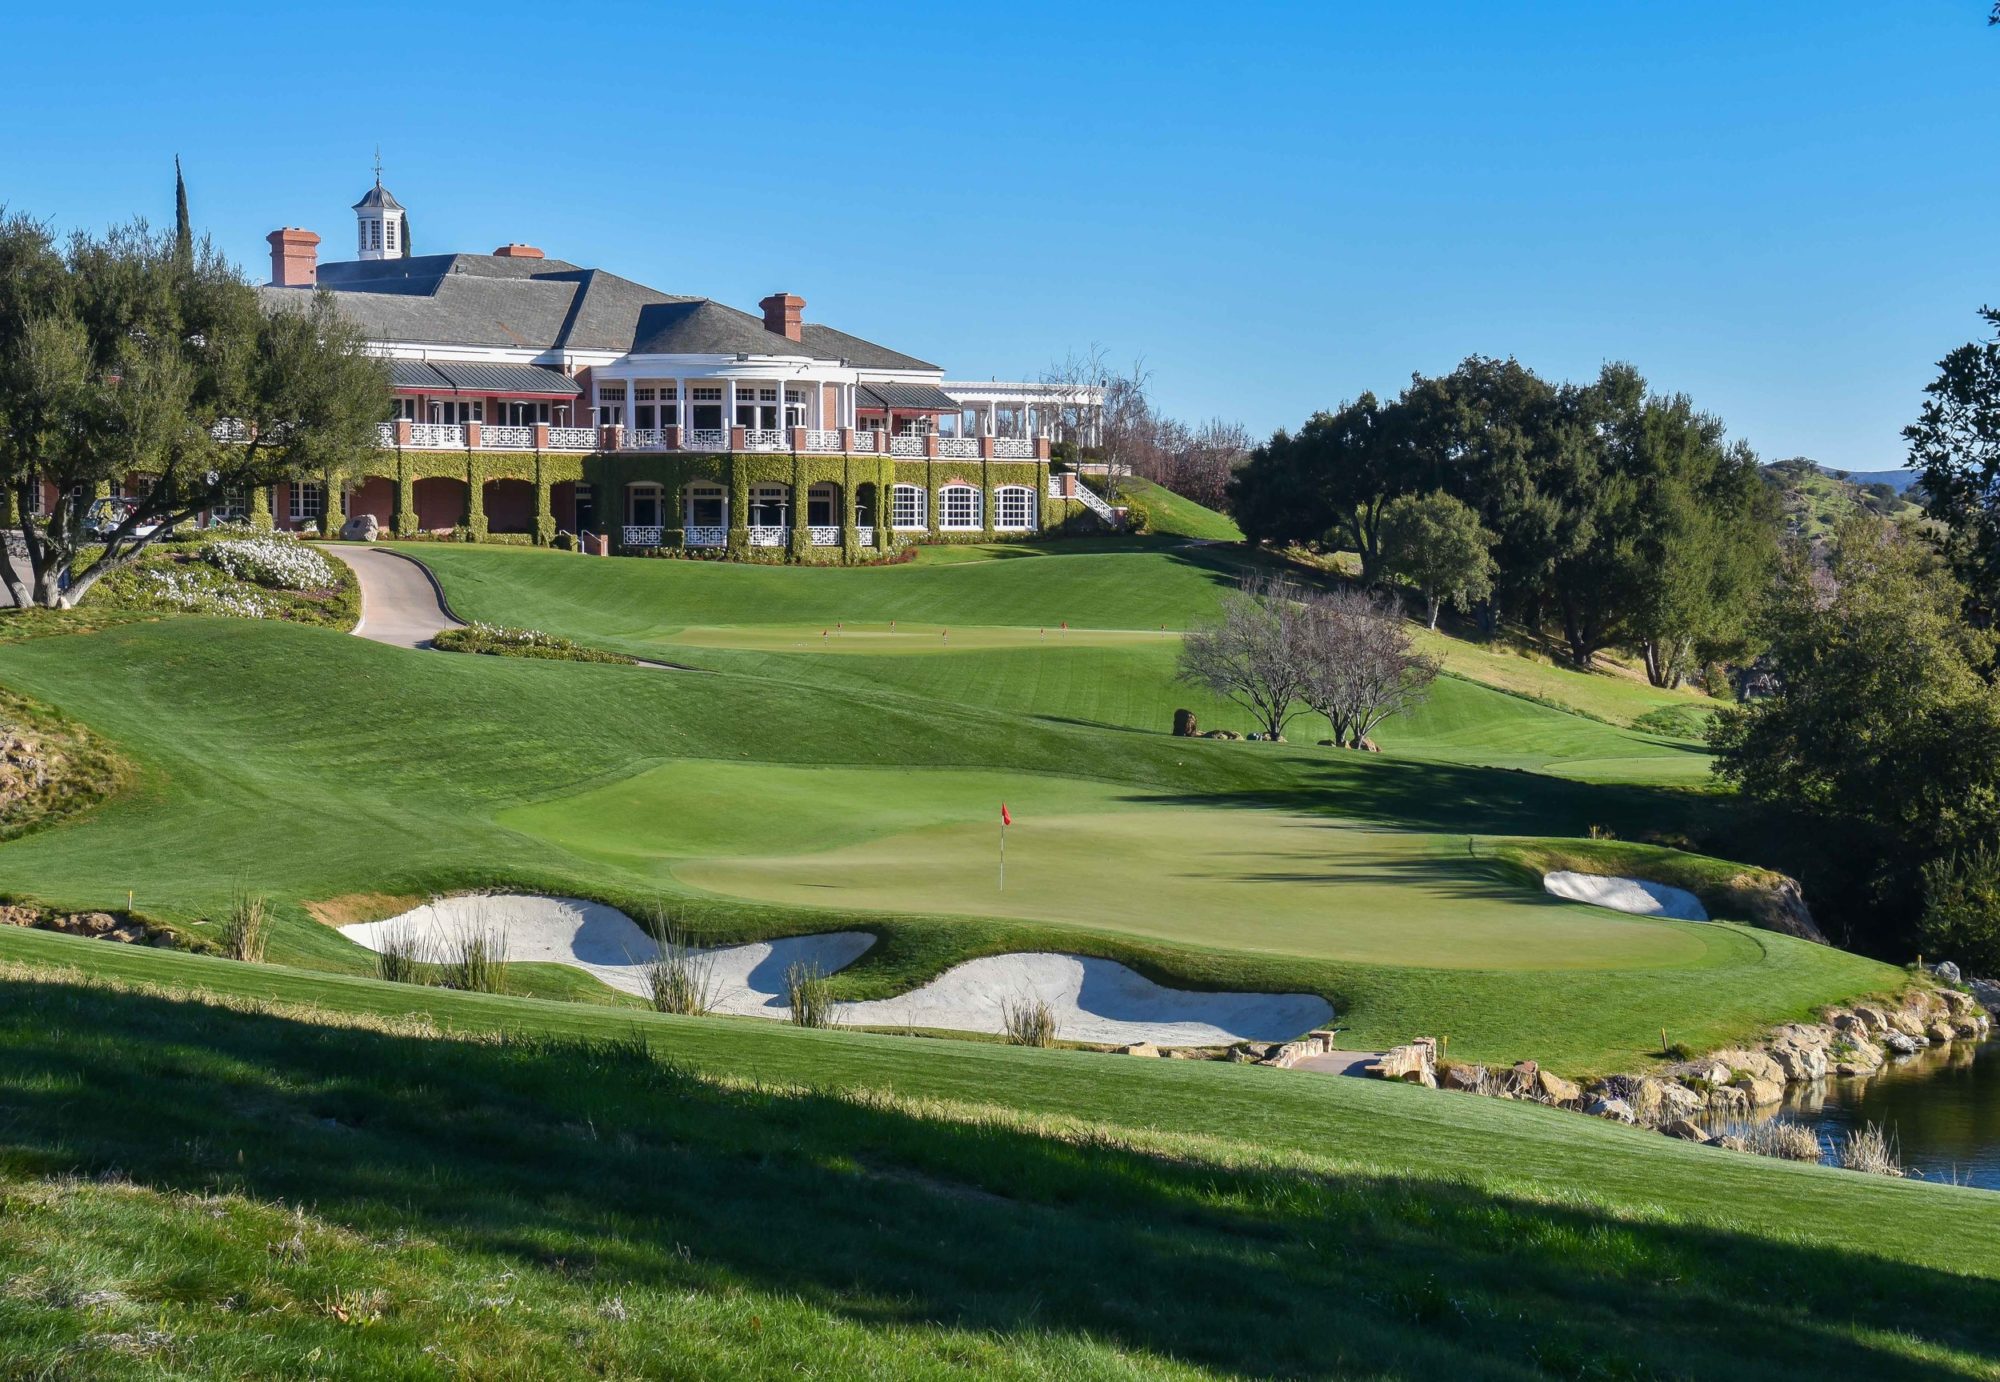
(1093, 1000)
(748, 980)
(1634, 895)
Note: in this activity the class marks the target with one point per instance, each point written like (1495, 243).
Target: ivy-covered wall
(610, 475)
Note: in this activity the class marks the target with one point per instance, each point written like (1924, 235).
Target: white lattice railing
(231, 429)
(763, 439)
(959, 448)
(906, 446)
(1094, 501)
(507, 438)
(865, 537)
(1013, 448)
(708, 537)
(823, 439)
(385, 434)
(823, 536)
(639, 535)
(436, 435)
(864, 439)
(1056, 487)
(705, 439)
(766, 535)
(646, 439)
(572, 438)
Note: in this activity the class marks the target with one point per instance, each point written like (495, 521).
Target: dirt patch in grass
(350, 908)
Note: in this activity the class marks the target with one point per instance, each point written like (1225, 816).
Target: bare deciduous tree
(1254, 654)
(1360, 665)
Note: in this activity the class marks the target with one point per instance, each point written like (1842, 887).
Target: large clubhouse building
(538, 401)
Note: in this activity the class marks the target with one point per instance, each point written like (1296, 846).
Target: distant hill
(1898, 480)
(1816, 499)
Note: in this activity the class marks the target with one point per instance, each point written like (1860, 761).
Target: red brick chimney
(781, 314)
(294, 258)
(518, 252)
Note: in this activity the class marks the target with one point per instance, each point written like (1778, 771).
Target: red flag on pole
(1005, 819)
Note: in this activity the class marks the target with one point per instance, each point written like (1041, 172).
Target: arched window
(1014, 508)
(958, 507)
(642, 506)
(906, 507)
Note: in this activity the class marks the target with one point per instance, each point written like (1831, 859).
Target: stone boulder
(1528, 1080)
(1185, 726)
(1140, 1048)
(1798, 1061)
(1221, 734)
(1470, 1079)
(1364, 745)
(1686, 1129)
(1617, 1110)
(1987, 993)
(1759, 1065)
(1902, 1043)
(363, 527)
(1677, 1101)
(1958, 1004)
(1760, 1091)
(1947, 971)
(1939, 1031)
(1906, 1022)
(1875, 1019)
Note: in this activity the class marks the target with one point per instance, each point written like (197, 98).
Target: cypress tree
(406, 235)
(183, 232)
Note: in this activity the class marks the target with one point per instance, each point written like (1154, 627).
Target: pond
(1942, 1107)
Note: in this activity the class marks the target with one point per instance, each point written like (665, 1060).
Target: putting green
(1090, 854)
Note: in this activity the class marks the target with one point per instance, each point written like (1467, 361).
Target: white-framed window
(958, 507)
(706, 505)
(1014, 508)
(389, 234)
(232, 507)
(642, 506)
(408, 406)
(756, 406)
(906, 507)
(610, 404)
(705, 407)
(308, 501)
(458, 411)
(519, 412)
(795, 407)
(655, 405)
(705, 393)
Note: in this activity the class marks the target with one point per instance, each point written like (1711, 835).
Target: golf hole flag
(1005, 821)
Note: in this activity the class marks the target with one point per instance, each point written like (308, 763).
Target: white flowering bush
(500, 641)
(277, 560)
(184, 588)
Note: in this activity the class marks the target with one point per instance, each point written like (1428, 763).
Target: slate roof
(548, 304)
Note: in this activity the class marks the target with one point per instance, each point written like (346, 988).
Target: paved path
(400, 605)
(1340, 1062)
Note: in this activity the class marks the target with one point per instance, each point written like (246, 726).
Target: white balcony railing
(865, 440)
(821, 535)
(705, 439)
(1013, 449)
(572, 438)
(708, 537)
(508, 438)
(906, 446)
(1056, 487)
(230, 429)
(766, 535)
(959, 448)
(385, 434)
(823, 440)
(646, 439)
(865, 537)
(436, 436)
(640, 535)
(763, 439)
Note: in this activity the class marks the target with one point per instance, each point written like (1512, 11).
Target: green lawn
(1169, 514)
(310, 765)
(372, 1184)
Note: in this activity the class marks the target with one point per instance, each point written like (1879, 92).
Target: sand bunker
(748, 980)
(1093, 1000)
(1634, 895)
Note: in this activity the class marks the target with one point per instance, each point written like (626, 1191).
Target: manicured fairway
(911, 639)
(337, 1189)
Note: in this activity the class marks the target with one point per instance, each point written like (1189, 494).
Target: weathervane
(378, 165)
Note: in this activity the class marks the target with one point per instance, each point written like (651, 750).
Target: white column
(729, 414)
(681, 406)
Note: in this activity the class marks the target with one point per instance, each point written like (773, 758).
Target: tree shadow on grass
(540, 1156)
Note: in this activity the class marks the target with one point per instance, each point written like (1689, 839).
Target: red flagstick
(1005, 821)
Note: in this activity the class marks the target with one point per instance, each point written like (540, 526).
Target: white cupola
(379, 224)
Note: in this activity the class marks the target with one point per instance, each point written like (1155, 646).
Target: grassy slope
(1172, 515)
(535, 1209)
(385, 770)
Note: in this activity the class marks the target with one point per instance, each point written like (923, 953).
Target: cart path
(400, 602)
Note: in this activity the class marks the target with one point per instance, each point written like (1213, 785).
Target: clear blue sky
(1786, 210)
